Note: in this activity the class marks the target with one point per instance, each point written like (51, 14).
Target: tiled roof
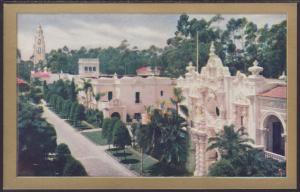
(143, 70)
(40, 74)
(20, 81)
(277, 92)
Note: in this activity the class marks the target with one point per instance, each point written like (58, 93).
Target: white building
(88, 67)
(215, 98)
(123, 96)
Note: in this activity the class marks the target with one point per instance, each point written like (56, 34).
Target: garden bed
(132, 160)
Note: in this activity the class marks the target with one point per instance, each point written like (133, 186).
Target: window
(85, 68)
(90, 68)
(39, 41)
(217, 111)
(39, 50)
(161, 93)
(137, 116)
(137, 97)
(94, 68)
(109, 95)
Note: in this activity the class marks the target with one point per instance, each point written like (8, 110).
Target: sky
(104, 30)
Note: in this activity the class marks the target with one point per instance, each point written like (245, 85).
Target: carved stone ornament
(255, 70)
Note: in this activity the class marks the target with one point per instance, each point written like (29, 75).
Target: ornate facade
(215, 98)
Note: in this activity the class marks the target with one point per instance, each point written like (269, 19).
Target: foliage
(163, 138)
(121, 136)
(36, 137)
(74, 168)
(79, 113)
(65, 89)
(88, 90)
(238, 45)
(35, 94)
(24, 70)
(230, 142)
(239, 158)
(62, 154)
(95, 117)
(177, 99)
(222, 168)
(107, 129)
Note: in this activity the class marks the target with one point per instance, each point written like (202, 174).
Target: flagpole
(197, 62)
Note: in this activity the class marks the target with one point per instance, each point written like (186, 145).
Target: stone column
(200, 140)
(202, 153)
(197, 154)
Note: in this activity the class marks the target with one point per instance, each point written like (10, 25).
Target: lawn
(132, 160)
(96, 137)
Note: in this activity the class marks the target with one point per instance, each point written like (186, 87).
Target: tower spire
(39, 46)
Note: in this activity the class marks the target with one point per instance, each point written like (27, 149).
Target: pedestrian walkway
(94, 158)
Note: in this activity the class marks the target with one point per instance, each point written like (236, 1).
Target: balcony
(274, 156)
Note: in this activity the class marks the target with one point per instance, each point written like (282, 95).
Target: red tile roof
(41, 74)
(277, 92)
(143, 70)
(20, 81)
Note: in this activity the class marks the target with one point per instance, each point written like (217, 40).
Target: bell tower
(39, 46)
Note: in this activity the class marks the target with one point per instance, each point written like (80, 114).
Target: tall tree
(88, 90)
(79, 113)
(36, 137)
(121, 137)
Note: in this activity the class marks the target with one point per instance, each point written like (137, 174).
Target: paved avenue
(94, 158)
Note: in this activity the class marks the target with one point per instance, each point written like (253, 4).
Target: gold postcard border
(11, 181)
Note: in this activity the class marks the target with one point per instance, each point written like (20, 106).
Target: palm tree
(173, 140)
(163, 137)
(88, 90)
(177, 99)
(230, 143)
(245, 161)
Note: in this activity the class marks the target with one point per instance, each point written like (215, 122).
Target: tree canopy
(238, 45)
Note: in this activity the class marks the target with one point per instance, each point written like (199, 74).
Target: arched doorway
(274, 130)
(115, 114)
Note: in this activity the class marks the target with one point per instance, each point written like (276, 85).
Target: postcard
(169, 96)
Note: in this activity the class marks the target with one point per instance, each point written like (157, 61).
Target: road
(94, 158)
